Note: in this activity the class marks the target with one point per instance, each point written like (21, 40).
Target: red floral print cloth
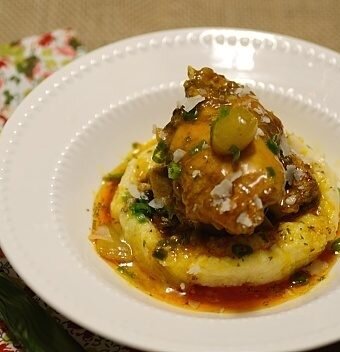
(23, 65)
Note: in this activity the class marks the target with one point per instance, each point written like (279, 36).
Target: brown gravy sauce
(210, 299)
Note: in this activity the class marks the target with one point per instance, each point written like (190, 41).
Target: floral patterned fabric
(23, 65)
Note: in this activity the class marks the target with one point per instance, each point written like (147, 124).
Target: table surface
(99, 22)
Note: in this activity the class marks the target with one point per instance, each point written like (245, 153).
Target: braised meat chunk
(224, 159)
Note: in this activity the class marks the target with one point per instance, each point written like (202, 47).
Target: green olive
(237, 128)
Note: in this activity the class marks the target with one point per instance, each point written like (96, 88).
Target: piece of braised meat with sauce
(221, 160)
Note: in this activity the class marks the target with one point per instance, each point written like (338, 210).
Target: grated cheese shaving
(225, 205)
(258, 202)
(236, 175)
(286, 149)
(290, 174)
(259, 110)
(158, 132)
(291, 200)
(190, 102)
(298, 174)
(196, 173)
(293, 173)
(265, 119)
(178, 155)
(133, 190)
(242, 91)
(223, 189)
(244, 220)
(259, 132)
(156, 203)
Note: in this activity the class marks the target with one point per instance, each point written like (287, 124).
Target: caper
(160, 253)
(236, 128)
(335, 246)
(300, 278)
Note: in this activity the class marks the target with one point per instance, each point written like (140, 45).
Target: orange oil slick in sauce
(210, 299)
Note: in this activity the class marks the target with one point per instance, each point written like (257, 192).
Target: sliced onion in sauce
(101, 233)
(110, 245)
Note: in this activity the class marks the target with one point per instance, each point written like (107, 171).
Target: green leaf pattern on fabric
(23, 65)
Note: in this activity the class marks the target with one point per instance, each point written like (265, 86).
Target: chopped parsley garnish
(235, 152)
(142, 210)
(300, 278)
(335, 246)
(273, 145)
(241, 250)
(270, 171)
(160, 253)
(174, 170)
(190, 115)
(198, 148)
(160, 152)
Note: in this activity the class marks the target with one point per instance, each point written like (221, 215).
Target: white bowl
(79, 123)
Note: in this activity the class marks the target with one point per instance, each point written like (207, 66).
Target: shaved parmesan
(258, 202)
(223, 189)
(236, 175)
(189, 103)
(244, 220)
(178, 155)
(290, 173)
(156, 203)
(133, 190)
(298, 174)
(291, 200)
(259, 110)
(259, 132)
(225, 206)
(196, 173)
(286, 149)
(242, 91)
(293, 173)
(158, 132)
